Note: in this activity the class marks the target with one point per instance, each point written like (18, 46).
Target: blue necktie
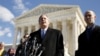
(42, 34)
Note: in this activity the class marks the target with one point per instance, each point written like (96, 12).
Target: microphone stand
(36, 48)
(25, 48)
(41, 51)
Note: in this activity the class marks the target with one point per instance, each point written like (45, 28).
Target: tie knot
(43, 31)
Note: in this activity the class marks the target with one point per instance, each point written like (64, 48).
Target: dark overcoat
(89, 46)
(52, 43)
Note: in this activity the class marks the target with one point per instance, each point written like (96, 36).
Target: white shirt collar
(44, 29)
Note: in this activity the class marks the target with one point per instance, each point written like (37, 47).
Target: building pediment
(45, 8)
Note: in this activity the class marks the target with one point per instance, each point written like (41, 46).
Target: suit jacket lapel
(47, 36)
(38, 35)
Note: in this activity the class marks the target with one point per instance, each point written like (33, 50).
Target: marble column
(74, 36)
(29, 29)
(36, 27)
(22, 31)
(15, 37)
(54, 25)
(65, 33)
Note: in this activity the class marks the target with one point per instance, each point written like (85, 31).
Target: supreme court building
(67, 18)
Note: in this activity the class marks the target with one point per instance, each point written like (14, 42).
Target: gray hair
(91, 12)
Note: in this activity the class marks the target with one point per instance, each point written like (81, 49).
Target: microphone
(41, 51)
(26, 45)
(35, 47)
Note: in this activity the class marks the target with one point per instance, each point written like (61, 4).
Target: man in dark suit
(48, 41)
(89, 40)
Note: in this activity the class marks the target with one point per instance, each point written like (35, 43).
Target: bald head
(90, 11)
(89, 17)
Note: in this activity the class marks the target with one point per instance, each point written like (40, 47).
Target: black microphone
(36, 47)
(41, 51)
(26, 45)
